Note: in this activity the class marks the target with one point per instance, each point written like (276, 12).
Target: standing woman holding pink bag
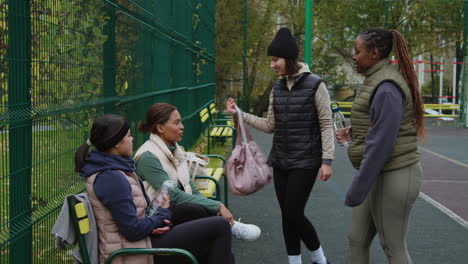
(300, 117)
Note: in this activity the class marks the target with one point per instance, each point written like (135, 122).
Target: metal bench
(217, 128)
(80, 220)
(209, 186)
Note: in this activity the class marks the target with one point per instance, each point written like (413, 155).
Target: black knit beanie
(283, 45)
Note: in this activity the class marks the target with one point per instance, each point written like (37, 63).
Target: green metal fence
(63, 63)
(463, 113)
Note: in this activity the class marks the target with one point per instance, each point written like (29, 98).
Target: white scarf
(174, 163)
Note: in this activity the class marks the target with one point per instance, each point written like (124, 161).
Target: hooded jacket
(119, 202)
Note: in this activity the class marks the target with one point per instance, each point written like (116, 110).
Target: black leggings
(187, 212)
(208, 239)
(293, 188)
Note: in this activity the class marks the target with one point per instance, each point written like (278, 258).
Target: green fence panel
(65, 62)
(19, 129)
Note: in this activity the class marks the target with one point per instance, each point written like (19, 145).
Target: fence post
(309, 12)
(245, 104)
(441, 83)
(454, 82)
(387, 7)
(109, 59)
(147, 84)
(463, 101)
(20, 130)
(422, 67)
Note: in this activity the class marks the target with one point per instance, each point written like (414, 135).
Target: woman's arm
(266, 125)
(149, 168)
(324, 115)
(114, 192)
(195, 190)
(322, 104)
(386, 114)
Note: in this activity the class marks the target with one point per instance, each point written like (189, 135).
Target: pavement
(437, 232)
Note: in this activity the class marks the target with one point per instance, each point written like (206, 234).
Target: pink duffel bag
(247, 170)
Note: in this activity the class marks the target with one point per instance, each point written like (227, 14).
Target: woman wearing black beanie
(300, 117)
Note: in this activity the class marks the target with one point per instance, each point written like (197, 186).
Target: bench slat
(80, 210)
(204, 118)
(84, 226)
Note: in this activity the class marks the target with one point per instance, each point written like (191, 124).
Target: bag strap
(241, 125)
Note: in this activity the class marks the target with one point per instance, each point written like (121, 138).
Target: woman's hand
(325, 172)
(224, 212)
(344, 137)
(162, 230)
(231, 106)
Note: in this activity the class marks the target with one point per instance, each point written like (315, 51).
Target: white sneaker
(246, 232)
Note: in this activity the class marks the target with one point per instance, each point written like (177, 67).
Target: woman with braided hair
(386, 120)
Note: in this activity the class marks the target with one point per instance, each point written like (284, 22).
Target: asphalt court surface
(444, 157)
(434, 235)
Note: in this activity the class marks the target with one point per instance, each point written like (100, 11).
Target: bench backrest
(204, 115)
(212, 109)
(79, 217)
(80, 220)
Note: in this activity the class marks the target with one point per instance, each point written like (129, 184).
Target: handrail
(129, 14)
(167, 91)
(453, 107)
(151, 251)
(66, 108)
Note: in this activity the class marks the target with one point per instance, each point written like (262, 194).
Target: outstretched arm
(266, 125)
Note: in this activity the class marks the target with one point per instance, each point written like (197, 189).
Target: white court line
(444, 157)
(436, 204)
(445, 210)
(449, 181)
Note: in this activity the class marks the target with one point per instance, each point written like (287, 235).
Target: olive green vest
(405, 151)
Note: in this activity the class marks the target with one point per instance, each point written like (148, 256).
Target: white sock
(317, 256)
(295, 259)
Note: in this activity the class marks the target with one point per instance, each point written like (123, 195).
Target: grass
(52, 178)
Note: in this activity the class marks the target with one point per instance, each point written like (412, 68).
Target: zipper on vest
(287, 120)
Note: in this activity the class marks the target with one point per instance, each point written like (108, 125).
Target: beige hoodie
(322, 103)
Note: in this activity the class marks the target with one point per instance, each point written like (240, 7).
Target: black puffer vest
(297, 142)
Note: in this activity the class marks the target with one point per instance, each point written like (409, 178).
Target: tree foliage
(429, 26)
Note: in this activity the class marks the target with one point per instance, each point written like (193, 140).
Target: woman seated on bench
(119, 202)
(160, 159)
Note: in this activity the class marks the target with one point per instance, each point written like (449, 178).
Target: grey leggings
(386, 212)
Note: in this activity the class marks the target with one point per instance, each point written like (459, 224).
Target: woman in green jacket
(387, 119)
(160, 158)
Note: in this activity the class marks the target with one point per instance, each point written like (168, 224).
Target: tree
(429, 26)
(261, 21)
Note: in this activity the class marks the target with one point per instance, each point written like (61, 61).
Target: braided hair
(383, 39)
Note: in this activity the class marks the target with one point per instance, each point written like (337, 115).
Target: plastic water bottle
(339, 123)
(166, 189)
